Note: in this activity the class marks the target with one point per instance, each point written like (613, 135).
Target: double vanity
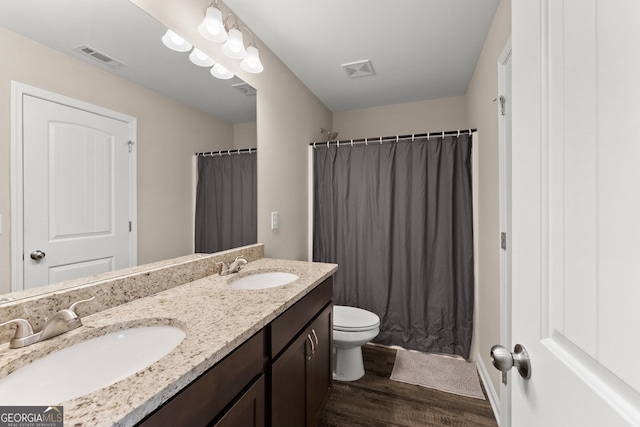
(248, 348)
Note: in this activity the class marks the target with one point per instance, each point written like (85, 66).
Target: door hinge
(130, 144)
(130, 226)
(502, 100)
(503, 240)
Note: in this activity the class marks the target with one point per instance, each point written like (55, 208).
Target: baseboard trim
(494, 400)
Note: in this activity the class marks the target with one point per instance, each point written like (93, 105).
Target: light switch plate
(274, 220)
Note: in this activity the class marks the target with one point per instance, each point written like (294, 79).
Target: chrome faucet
(63, 321)
(234, 267)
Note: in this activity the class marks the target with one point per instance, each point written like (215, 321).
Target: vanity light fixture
(234, 46)
(200, 58)
(216, 28)
(175, 42)
(219, 71)
(212, 27)
(251, 63)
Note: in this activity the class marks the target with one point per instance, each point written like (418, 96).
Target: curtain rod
(396, 138)
(227, 152)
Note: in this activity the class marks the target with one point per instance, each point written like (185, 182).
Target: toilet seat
(352, 319)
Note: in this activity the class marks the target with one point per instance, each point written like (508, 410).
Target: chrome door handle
(37, 255)
(503, 360)
(313, 347)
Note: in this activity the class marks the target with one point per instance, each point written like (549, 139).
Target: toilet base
(347, 363)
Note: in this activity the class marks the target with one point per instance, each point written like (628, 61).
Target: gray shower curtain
(226, 202)
(397, 219)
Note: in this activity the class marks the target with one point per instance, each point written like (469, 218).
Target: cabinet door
(248, 410)
(288, 385)
(320, 365)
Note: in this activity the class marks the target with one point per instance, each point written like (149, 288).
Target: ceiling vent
(358, 69)
(99, 56)
(245, 89)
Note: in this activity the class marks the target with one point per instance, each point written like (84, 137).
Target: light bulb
(219, 71)
(212, 27)
(234, 46)
(200, 58)
(174, 42)
(251, 63)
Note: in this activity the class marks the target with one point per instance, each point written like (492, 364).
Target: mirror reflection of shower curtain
(226, 202)
(397, 219)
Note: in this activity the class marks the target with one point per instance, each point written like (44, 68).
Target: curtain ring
(458, 133)
(249, 150)
(352, 142)
(220, 153)
(397, 139)
(338, 143)
(380, 140)
(327, 144)
(469, 132)
(314, 145)
(228, 152)
(238, 151)
(413, 137)
(442, 134)
(366, 142)
(428, 135)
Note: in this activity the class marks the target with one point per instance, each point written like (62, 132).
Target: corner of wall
(481, 113)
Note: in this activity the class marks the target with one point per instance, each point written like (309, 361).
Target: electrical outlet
(274, 220)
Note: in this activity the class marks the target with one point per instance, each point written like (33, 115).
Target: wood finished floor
(376, 401)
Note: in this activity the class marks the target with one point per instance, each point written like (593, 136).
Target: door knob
(503, 359)
(37, 255)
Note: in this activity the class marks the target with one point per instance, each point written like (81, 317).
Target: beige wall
(245, 135)
(289, 117)
(482, 113)
(400, 119)
(168, 135)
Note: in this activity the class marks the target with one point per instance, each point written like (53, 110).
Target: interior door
(76, 192)
(576, 211)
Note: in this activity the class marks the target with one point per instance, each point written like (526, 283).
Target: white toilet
(352, 327)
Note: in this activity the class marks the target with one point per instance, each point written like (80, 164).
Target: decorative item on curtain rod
(395, 138)
(227, 152)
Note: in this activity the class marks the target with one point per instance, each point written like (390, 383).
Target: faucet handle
(224, 267)
(23, 327)
(73, 306)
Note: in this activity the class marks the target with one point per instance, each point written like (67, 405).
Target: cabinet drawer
(207, 396)
(286, 326)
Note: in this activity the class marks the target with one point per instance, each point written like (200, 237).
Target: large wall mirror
(117, 37)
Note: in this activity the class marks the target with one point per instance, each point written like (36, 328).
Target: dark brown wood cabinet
(206, 399)
(282, 376)
(301, 371)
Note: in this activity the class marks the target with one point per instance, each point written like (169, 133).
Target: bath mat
(438, 372)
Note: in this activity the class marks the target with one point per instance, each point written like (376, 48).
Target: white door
(576, 211)
(76, 192)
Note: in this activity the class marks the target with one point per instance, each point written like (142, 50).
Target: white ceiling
(420, 49)
(122, 31)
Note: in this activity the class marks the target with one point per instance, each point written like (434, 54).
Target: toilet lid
(353, 319)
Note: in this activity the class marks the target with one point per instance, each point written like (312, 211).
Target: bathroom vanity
(281, 376)
(249, 357)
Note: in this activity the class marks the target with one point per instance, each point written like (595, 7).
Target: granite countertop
(215, 318)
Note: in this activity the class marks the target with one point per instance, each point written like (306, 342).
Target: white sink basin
(88, 366)
(263, 280)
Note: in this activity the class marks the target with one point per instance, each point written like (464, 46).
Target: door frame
(505, 259)
(18, 91)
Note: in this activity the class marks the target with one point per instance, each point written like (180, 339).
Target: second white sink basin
(265, 280)
(88, 366)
